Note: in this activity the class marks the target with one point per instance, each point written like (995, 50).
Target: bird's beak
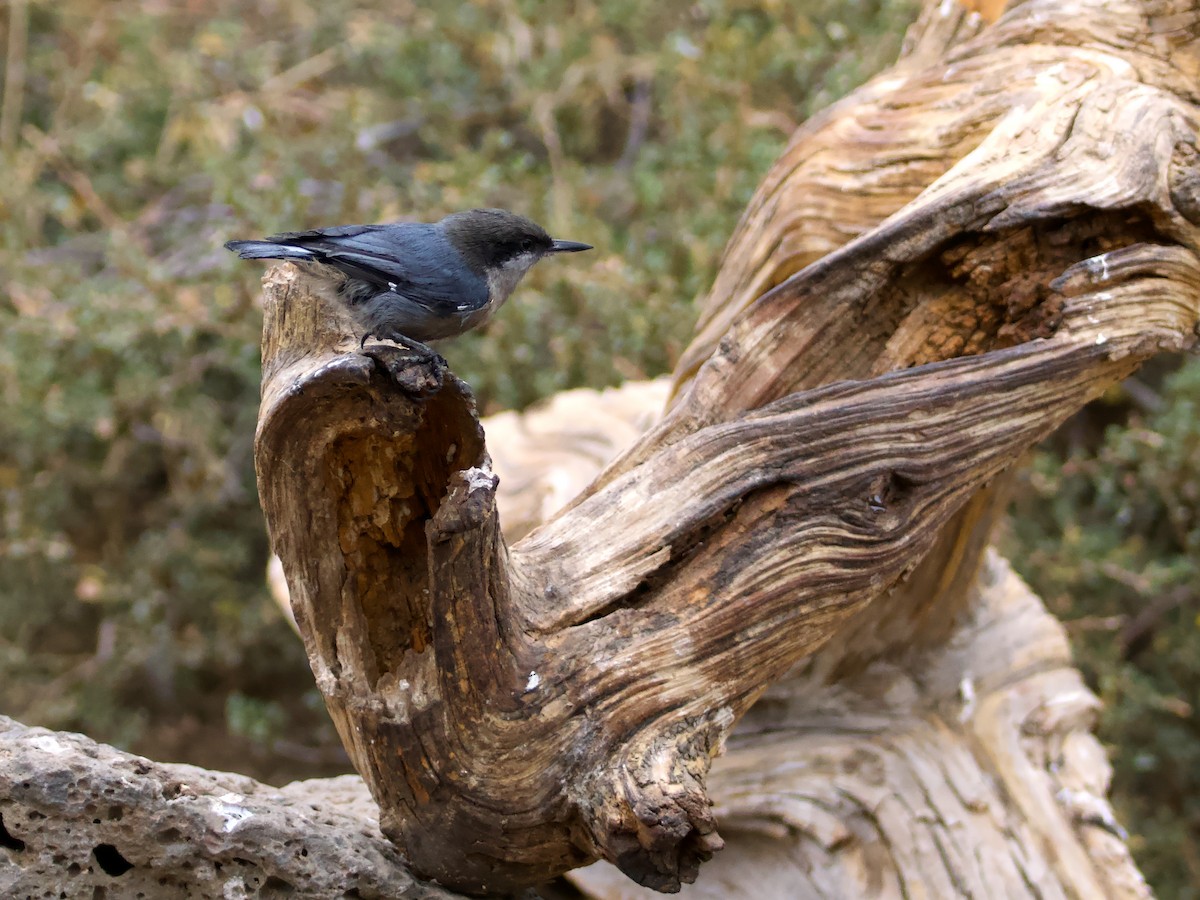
(568, 247)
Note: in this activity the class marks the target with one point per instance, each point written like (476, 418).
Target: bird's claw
(423, 351)
(413, 371)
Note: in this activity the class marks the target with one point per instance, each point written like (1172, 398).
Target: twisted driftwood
(942, 268)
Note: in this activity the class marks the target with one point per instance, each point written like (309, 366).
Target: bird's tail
(267, 250)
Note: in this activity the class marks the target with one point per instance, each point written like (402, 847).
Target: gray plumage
(414, 280)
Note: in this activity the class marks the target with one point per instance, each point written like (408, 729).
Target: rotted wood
(517, 711)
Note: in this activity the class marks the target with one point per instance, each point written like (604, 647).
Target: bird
(412, 282)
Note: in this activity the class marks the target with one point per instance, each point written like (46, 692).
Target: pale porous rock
(81, 819)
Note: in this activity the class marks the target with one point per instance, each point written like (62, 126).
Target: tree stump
(940, 269)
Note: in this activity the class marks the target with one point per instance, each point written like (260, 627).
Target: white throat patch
(502, 281)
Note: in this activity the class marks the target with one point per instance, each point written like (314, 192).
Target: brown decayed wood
(518, 711)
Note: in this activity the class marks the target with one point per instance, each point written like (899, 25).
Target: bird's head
(501, 246)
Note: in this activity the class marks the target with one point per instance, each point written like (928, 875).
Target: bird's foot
(415, 370)
(427, 353)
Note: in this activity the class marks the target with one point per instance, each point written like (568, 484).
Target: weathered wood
(965, 771)
(518, 711)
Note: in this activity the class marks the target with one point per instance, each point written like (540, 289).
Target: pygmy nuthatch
(412, 282)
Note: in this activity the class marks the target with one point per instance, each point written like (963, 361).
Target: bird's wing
(412, 259)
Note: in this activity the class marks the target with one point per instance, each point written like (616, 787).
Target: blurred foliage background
(136, 137)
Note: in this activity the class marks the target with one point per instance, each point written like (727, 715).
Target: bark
(941, 269)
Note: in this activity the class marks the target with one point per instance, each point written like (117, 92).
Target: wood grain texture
(968, 770)
(941, 269)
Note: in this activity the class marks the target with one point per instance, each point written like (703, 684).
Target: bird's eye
(527, 245)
